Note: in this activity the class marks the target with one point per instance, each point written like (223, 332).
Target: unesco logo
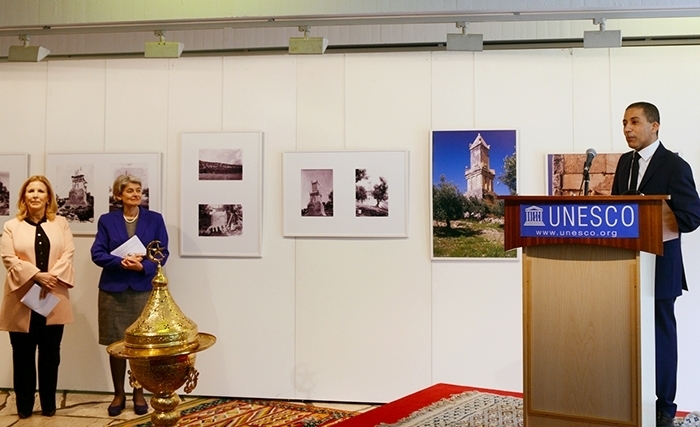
(533, 216)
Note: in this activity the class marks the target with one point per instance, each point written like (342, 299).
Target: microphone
(590, 155)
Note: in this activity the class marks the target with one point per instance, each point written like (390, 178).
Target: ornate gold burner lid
(162, 330)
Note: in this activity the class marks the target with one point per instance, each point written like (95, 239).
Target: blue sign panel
(584, 220)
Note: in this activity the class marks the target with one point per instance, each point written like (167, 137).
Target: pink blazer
(17, 251)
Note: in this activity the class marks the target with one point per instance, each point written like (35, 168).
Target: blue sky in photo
(451, 155)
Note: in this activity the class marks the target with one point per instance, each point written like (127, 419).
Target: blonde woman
(37, 248)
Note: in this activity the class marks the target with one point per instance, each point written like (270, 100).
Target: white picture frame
(221, 194)
(336, 182)
(87, 179)
(14, 170)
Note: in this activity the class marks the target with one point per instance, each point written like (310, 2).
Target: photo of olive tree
(470, 169)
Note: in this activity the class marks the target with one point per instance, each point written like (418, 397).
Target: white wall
(302, 321)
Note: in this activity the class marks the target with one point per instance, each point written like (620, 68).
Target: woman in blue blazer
(125, 283)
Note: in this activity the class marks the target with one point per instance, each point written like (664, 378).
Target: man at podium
(652, 169)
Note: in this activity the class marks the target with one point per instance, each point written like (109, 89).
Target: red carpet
(401, 408)
(394, 411)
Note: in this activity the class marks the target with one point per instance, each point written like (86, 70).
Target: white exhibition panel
(356, 298)
(321, 103)
(347, 319)
(136, 105)
(247, 304)
(23, 111)
(477, 323)
(76, 106)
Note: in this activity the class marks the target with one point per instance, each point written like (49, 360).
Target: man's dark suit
(668, 174)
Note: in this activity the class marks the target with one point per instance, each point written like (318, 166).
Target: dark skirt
(116, 311)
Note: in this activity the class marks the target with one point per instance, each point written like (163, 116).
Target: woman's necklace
(130, 221)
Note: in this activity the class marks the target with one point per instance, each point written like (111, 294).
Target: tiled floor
(86, 409)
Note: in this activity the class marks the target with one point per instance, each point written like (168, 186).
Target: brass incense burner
(161, 347)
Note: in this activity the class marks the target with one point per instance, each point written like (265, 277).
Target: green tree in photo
(448, 203)
(509, 177)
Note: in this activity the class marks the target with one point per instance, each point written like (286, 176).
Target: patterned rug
(449, 405)
(468, 409)
(477, 409)
(210, 412)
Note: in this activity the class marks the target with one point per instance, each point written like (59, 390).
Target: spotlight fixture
(27, 53)
(464, 41)
(602, 38)
(163, 49)
(307, 45)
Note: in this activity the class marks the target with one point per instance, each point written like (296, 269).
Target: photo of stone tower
(479, 174)
(77, 195)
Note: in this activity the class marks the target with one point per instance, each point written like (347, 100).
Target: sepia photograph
(317, 192)
(74, 186)
(14, 169)
(220, 220)
(371, 194)
(469, 170)
(220, 164)
(138, 170)
(4, 193)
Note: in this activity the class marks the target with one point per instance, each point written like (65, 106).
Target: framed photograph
(469, 170)
(14, 169)
(565, 174)
(83, 184)
(346, 194)
(221, 194)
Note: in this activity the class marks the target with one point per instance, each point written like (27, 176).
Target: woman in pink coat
(37, 249)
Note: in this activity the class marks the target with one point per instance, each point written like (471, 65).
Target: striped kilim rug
(478, 409)
(210, 412)
(468, 409)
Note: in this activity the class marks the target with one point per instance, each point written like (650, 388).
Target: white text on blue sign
(581, 220)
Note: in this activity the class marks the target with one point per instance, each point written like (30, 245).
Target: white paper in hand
(42, 306)
(133, 246)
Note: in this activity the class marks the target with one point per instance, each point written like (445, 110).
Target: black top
(42, 246)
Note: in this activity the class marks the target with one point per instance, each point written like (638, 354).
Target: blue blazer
(667, 173)
(111, 233)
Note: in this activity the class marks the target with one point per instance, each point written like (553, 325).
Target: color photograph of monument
(565, 174)
(469, 170)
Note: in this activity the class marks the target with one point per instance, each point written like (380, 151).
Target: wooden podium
(588, 317)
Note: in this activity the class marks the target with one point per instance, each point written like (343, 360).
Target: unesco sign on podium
(587, 220)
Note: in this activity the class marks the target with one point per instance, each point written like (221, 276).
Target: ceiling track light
(602, 38)
(307, 45)
(465, 42)
(27, 53)
(163, 49)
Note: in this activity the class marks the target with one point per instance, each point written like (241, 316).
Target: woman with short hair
(125, 283)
